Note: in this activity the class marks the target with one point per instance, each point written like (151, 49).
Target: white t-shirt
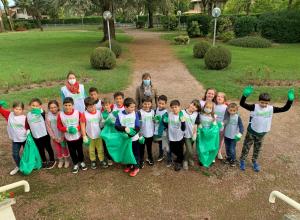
(190, 120)
(70, 120)
(220, 111)
(174, 128)
(16, 128)
(206, 120)
(128, 120)
(262, 118)
(53, 124)
(78, 98)
(116, 108)
(231, 128)
(147, 127)
(99, 105)
(156, 125)
(37, 125)
(93, 124)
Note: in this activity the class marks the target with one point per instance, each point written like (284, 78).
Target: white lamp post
(216, 12)
(179, 14)
(107, 16)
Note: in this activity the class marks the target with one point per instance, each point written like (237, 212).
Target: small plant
(115, 47)
(200, 49)
(217, 58)
(170, 23)
(182, 40)
(103, 58)
(193, 29)
(226, 36)
(253, 42)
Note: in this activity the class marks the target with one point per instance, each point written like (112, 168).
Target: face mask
(72, 81)
(207, 110)
(146, 82)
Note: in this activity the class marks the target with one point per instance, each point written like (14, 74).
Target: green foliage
(203, 22)
(75, 20)
(103, 58)
(226, 36)
(170, 23)
(281, 26)
(182, 40)
(140, 24)
(115, 47)
(217, 58)
(193, 29)
(24, 25)
(245, 26)
(223, 24)
(200, 49)
(251, 41)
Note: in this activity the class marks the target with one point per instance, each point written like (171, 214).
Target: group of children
(175, 130)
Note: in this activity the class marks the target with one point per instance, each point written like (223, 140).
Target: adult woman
(74, 90)
(146, 89)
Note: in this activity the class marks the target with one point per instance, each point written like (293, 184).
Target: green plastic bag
(31, 158)
(207, 144)
(118, 144)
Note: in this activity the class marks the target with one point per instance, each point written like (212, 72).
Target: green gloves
(248, 91)
(238, 137)
(165, 118)
(157, 118)
(142, 140)
(105, 114)
(109, 121)
(72, 130)
(115, 113)
(130, 131)
(86, 141)
(36, 111)
(291, 94)
(181, 117)
(63, 144)
(3, 104)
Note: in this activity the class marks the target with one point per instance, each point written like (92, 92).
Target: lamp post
(216, 12)
(107, 16)
(179, 14)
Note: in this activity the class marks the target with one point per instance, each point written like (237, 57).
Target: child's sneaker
(232, 163)
(191, 163)
(103, 164)
(142, 164)
(110, 163)
(51, 165)
(160, 158)
(128, 169)
(226, 161)
(185, 165)
(93, 165)
(177, 167)
(60, 163)
(150, 161)
(67, 163)
(256, 167)
(242, 165)
(169, 163)
(44, 165)
(83, 166)
(220, 157)
(134, 172)
(75, 169)
(14, 171)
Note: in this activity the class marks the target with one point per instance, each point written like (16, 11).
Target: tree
(6, 10)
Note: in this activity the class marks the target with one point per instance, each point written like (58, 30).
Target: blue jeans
(16, 147)
(230, 145)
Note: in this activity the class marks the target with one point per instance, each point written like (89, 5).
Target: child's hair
(222, 93)
(88, 101)
(93, 89)
(68, 100)
(162, 98)
(147, 99)
(196, 103)
(116, 94)
(204, 97)
(106, 101)
(53, 102)
(233, 105)
(212, 107)
(71, 73)
(128, 102)
(35, 100)
(174, 102)
(264, 97)
(18, 104)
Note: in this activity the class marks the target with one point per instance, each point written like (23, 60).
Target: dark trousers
(148, 144)
(16, 147)
(106, 153)
(44, 143)
(136, 153)
(176, 148)
(76, 152)
(256, 141)
(161, 151)
(230, 145)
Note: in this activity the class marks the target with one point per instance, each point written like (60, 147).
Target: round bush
(103, 58)
(253, 42)
(115, 47)
(217, 58)
(200, 49)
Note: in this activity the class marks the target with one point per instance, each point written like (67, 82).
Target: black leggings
(76, 152)
(176, 148)
(148, 143)
(106, 153)
(44, 143)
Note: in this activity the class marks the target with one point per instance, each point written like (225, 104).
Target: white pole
(15, 185)
(215, 29)
(284, 198)
(108, 29)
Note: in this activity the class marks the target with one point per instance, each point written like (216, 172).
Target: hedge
(244, 26)
(77, 20)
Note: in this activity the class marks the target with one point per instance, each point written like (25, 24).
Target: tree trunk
(2, 29)
(150, 14)
(108, 6)
(290, 4)
(11, 26)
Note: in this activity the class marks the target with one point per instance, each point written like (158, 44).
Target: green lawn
(36, 57)
(281, 62)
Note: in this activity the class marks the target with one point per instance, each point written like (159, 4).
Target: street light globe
(179, 13)
(216, 12)
(107, 15)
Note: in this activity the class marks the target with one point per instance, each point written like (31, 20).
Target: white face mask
(207, 110)
(72, 81)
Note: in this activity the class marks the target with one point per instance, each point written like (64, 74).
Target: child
(119, 101)
(260, 123)
(192, 120)
(16, 130)
(68, 122)
(210, 95)
(220, 109)
(147, 130)
(175, 123)
(162, 141)
(36, 122)
(233, 130)
(56, 136)
(207, 116)
(128, 121)
(94, 94)
(90, 127)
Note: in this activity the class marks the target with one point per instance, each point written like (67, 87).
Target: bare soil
(157, 192)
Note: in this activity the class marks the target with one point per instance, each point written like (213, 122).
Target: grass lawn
(34, 57)
(279, 64)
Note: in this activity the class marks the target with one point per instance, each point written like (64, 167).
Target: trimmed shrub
(226, 36)
(182, 40)
(245, 26)
(253, 42)
(223, 24)
(103, 58)
(203, 23)
(115, 47)
(200, 49)
(193, 29)
(140, 24)
(170, 23)
(217, 58)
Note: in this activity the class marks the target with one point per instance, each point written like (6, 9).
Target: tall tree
(6, 10)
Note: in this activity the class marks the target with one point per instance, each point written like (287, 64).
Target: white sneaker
(185, 165)
(109, 162)
(75, 169)
(220, 157)
(14, 171)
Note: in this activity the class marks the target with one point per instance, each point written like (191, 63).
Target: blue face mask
(147, 82)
